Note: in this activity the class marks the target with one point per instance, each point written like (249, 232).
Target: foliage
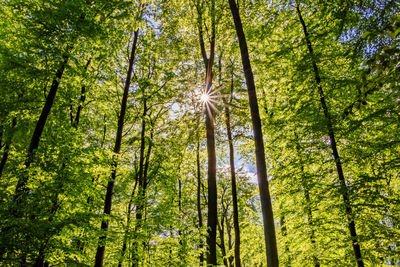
(356, 48)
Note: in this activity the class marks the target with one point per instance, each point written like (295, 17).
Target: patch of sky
(373, 17)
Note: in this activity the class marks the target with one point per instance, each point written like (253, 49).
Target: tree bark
(128, 222)
(117, 147)
(230, 243)
(212, 194)
(268, 219)
(311, 225)
(221, 231)
(181, 250)
(81, 100)
(7, 146)
(211, 174)
(55, 203)
(343, 187)
(221, 228)
(140, 205)
(201, 244)
(37, 134)
(233, 182)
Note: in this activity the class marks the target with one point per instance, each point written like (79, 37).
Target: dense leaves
(63, 71)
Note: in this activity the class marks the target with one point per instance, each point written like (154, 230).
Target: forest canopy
(199, 133)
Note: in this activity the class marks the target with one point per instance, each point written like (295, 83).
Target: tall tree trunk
(55, 203)
(141, 183)
(230, 243)
(81, 100)
(221, 230)
(128, 222)
(343, 188)
(233, 182)
(212, 194)
(145, 183)
(117, 147)
(181, 251)
(201, 245)
(34, 143)
(311, 225)
(268, 219)
(7, 146)
(212, 169)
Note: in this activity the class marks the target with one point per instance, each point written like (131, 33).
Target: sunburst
(208, 99)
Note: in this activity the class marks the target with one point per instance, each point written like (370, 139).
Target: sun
(204, 98)
(207, 99)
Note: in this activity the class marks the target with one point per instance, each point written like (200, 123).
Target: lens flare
(204, 98)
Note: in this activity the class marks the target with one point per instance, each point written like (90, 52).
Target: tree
(269, 228)
(209, 114)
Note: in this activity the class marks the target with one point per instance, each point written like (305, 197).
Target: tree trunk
(81, 100)
(146, 182)
(7, 146)
(34, 143)
(181, 250)
(201, 245)
(117, 147)
(55, 203)
(311, 225)
(230, 243)
(128, 222)
(233, 182)
(212, 194)
(343, 188)
(211, 179)
(140, 205)
(221, 230)
(268, 219)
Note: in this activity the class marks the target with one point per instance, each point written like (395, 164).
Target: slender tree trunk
(268, 218)
(343, 188)
(201, 245)
(181, 251)
(144, 182)
(81, 100)
(128, 222)
(140, 205)
(211, 174)
(311, 225)
(56, 205)
(229, 233)
(1, 136)
(34, 143)
(7, 146)
(212, 194)
(233, 182)
(117, 147)
(221, 230)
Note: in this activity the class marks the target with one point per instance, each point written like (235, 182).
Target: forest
(199, 133)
